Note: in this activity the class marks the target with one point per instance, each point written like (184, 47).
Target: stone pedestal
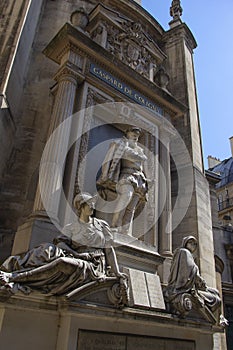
(53, 323)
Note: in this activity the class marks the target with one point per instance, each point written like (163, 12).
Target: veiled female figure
(185, 277)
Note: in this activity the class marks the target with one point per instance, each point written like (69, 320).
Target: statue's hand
(85, 256)
(121, 275)
(201, 283)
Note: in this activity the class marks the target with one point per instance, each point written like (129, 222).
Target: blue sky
(211, 22)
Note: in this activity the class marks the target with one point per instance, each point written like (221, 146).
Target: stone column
(164, 193)
(165, 221)
(51, 174)
(38, 228)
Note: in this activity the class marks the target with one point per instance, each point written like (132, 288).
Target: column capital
(69, 73)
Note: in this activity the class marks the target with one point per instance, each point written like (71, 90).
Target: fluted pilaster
(49, 189)
(165, 222)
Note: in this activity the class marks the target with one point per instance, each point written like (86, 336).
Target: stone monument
(80, 74)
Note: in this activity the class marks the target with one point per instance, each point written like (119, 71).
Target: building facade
(221, 184)
(74, 76)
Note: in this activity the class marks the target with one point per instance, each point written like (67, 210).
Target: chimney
(231, 142)
(212, 161)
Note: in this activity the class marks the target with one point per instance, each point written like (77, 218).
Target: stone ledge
(60, 305)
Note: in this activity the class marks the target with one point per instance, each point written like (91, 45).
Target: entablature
(72, 46)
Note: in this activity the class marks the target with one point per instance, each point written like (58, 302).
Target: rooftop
(225, 170)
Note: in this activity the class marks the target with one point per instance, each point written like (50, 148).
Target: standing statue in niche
(122, 173)
(186, 288)
(84, 254)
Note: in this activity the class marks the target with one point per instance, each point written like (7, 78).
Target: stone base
(46, 323)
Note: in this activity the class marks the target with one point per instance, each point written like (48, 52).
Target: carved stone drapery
(187, 289)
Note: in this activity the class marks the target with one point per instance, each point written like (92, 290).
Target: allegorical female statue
(185, 280)
(80, 256)
(122, 172)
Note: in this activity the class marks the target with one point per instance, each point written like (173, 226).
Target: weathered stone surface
(88, 340)
(101, 341)
(12, 17)
(139, 343)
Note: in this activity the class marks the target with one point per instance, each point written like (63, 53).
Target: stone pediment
(105, 13)
(125, 39)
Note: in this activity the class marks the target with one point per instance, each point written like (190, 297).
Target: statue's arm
(200, 282)
(112, 261)
(69, 251)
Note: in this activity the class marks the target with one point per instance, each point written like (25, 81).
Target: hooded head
(188, 239)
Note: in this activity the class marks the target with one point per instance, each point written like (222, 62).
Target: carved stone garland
(129, 45)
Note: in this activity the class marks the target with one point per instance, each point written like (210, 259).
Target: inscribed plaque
(101, 341)
(94, 340)
(144, 343)
(172, 344)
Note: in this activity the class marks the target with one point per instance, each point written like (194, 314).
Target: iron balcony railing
(225, 204)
